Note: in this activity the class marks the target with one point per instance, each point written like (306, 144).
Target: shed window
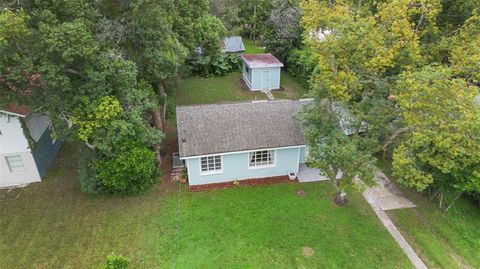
(262, 158)
(211, 164)
(15, 163)
(247, 69)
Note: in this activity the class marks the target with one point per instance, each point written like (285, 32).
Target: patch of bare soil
(308, 251)
(300, 193)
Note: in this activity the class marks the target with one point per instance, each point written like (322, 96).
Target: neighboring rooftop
(261, 60)
(232, 44)
(210, 129)
(17, 110)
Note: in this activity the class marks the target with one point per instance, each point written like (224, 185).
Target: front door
(266, 80)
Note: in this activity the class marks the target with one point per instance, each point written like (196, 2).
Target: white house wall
(14, 143)
(29, 175)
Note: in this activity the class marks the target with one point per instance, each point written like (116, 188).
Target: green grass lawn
(442, 239)
(199, 90)
(52, 225)
(229, 88)
(250, 47)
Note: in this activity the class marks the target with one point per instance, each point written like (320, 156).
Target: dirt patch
(300, 193)
(307, 251)
(243, 85)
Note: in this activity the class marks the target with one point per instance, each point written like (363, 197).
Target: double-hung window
(211, 164)
(15, 163)
(262, 158)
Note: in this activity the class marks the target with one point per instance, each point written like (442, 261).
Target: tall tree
(442, 146)
(360, 50)
(56, 63)
(283, 31)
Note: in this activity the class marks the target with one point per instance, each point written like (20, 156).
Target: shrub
(133, 169)
(301, 64)
(218, 65)
(116, 262)
(87, 175)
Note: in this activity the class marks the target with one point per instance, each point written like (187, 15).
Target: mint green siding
(235, 166)
(259, 79)
(301, 159)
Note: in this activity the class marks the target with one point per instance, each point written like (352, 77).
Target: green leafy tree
(442, 147)
(345, 160)
(55, 60)
(282, 31)
(379, 60)
(360, 49)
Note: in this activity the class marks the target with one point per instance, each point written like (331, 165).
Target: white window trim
(10, 168)
(203, 173)
(240, 151)
(262, 166)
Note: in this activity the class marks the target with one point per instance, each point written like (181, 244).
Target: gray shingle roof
(209, 129)
(233, 44)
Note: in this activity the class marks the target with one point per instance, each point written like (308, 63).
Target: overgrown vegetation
(218, 65)
(91, 65)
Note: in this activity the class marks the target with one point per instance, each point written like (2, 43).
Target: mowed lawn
(229, 88)
(53, 225)
(442, 239)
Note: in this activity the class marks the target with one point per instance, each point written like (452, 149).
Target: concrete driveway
(386, 195)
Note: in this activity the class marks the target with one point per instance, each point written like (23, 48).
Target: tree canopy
(409, 71)
(91, 65)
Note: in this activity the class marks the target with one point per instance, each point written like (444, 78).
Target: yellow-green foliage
(363, 43)
(98, 115)
(12, 25)
(465, 50)
(445, 124)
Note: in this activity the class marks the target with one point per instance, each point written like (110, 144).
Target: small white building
(26, 146)
(261, 72)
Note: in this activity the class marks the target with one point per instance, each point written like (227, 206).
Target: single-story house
(248, 140)
(261, 71)
(26, 146)
(232, 44)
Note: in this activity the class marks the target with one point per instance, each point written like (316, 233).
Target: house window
(211, 164)
(262, 158)
(15, 163)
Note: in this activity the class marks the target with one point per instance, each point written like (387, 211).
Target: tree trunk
(159, 118)
(340, 198)
(163, 106)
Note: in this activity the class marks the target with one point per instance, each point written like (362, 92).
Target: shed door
(266, 79)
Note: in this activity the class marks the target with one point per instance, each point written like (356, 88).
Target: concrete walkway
(307, 174)
(387, 196)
